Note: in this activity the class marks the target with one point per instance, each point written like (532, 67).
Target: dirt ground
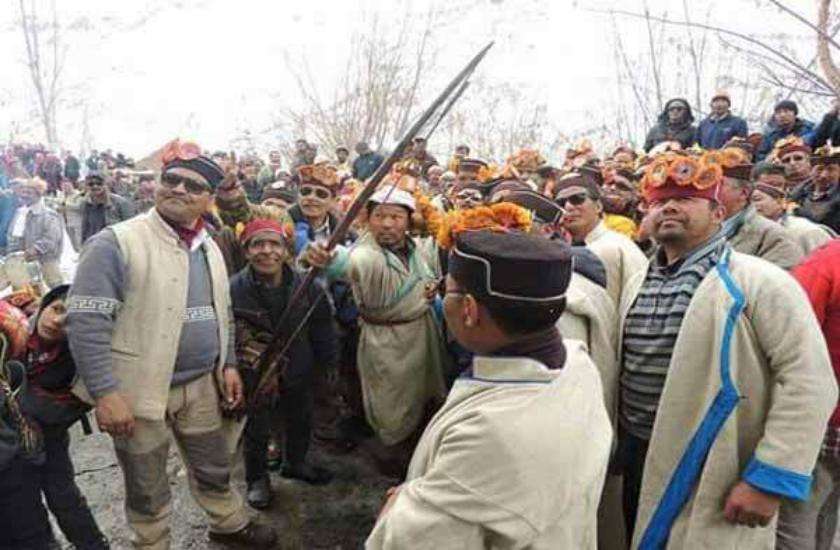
(336, 516)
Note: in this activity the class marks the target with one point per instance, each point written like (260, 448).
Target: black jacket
(256, 310)
(685, 132)
(828, 129)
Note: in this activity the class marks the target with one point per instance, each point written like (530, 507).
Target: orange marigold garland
(432, 217)
(683, 170)
(708, 176)
(503, 216)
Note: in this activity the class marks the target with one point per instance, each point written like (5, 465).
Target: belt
(387, 323)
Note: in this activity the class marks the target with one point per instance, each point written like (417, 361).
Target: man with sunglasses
(749, 232)
(579, 195)
(315, 218)
(673, 124)
(401, 355)
(150, 328)
(100, 208)
(517, 455)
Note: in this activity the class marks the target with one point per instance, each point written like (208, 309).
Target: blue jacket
(365, 165)
(802, 128)
(713, 134)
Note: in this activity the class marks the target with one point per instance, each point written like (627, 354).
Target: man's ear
(470, 311)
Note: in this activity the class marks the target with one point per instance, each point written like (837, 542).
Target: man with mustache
(401, 356)
(725, 384)
(149, 326)
(747, 231)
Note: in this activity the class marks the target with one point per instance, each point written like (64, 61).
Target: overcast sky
(210, 69)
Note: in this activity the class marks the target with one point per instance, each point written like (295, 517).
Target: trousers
(64, 499)
(193, 417)
(23, 519)
(812, 523)
(293, 411)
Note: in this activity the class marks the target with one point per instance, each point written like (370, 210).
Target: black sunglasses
(192, 186)
(320, 192)
(576, 200)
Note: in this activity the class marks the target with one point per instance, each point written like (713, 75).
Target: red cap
(263, 225)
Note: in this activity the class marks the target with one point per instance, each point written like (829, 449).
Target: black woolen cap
(511, 267)
(787, 104)
(208, 168)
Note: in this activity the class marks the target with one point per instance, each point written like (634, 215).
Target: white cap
(391, 195)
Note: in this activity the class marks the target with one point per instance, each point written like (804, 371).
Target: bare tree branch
(747, 38)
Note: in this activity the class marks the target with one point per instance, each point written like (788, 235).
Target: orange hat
(324, 175)
(673, 175)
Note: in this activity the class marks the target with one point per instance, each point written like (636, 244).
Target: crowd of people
(636, 349)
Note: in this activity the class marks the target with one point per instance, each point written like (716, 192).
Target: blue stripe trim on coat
(778, 481)
(690, 466)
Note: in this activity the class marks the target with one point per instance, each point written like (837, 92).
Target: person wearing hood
(402, 356)
(48, 401)
(785, 122)
(675, 124)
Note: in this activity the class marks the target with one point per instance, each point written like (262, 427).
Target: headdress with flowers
(502, 216)
(322, 174)
(678, 175)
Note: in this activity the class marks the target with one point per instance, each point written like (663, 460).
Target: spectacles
(193, 187)
(320, 192)
(576, 200)
(793, 158)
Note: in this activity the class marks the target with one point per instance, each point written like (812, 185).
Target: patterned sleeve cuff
(338, 265)
(778, 481)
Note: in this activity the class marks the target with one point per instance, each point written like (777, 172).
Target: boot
(252, 535)
(314, 475)
(259, 493)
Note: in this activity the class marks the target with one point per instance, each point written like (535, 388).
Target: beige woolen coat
(807, 234)
(622, 258)
(590, 317)
(766, 239)
(401, 356)
(747, 397)
(515, 458)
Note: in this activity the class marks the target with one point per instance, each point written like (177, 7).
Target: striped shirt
(651, 328)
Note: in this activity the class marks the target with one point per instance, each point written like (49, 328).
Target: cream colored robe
(621, 256)
(767, 240)
(807, 234)
(748, 394)
(401, 365)
(590, 317)
(516, 458)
